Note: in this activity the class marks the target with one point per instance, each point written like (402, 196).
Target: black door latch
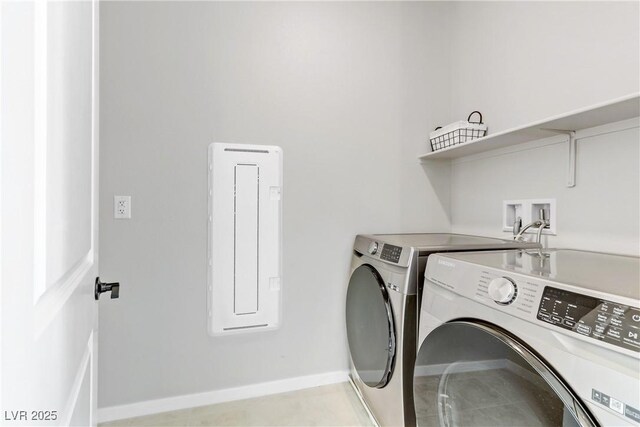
(106, 287)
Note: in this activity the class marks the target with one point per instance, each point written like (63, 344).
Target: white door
(48, 208)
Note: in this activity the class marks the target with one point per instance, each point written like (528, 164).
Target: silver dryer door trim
(391, 351)
(571, 401)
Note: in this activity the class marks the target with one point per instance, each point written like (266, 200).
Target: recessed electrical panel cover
(245, 238)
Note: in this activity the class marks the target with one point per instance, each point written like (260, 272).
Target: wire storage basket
(457, 133)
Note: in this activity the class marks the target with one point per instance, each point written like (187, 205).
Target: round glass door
(370, 327)
(475, 374)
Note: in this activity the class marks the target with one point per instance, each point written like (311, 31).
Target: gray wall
(536, 60)
(349, 90)
(520, 62)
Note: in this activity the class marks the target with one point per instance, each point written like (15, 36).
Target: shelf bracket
(571, 170)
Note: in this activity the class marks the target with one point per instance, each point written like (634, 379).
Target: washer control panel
(391, 253)
(592, 317)
(538, 301)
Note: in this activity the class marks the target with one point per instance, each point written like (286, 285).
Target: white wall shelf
(619, 109)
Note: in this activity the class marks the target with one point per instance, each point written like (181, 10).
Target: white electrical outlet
(122, 207)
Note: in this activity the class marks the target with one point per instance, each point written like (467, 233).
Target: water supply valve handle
(101, 287)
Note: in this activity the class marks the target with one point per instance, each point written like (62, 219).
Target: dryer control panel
(592, 317)
(391, 253)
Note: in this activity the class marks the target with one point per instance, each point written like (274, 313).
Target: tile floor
(330, 405)
(496, 397)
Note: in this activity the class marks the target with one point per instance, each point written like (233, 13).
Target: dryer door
(473, 373)
(370, 327)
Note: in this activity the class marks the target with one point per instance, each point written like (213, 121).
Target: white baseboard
(175, 403)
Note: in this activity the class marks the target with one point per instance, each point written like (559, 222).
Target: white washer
(382, 309)
(529, 338)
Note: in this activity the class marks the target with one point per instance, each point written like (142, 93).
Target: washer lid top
(426, 243)
(608, 273)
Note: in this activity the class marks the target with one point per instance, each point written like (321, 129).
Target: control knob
(502, 290)
(373, 248)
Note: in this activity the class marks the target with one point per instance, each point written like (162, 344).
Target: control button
(633, 336)
(632, 413)
(502, 290)
(556, 319)
(636, 317)
(602, 318)
(616, 405)
(569, 323)
(613, 333)
(618, 311)
(544, 315)
(595, 395)
(583, 329)
(373, 248)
